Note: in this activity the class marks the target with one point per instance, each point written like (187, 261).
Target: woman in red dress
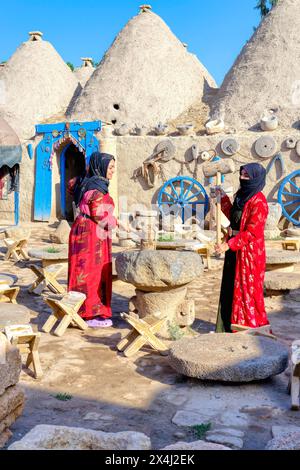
(242, 291)
(90, 243)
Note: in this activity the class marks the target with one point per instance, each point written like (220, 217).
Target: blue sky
(215, 30)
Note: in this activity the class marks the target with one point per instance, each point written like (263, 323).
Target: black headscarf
(95, 177)
(254, 185)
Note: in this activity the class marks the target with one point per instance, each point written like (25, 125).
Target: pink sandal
(95, 323)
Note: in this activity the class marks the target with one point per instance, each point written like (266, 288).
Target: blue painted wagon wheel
(183, 196)
(289, 197)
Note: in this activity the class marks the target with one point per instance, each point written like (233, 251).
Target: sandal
(95, 323)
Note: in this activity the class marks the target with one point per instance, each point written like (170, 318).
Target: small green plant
(175, 332)
(166, 238)
(62, 396)
(52, 250)
(200, 430)
(69, 64)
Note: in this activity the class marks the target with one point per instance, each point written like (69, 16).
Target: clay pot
(214, 127)
(269, 122)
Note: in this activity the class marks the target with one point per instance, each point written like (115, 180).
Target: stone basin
(61, 253)
(229, 357)
(282, 260)
(275, 281)
(152, 270)
(13, 314)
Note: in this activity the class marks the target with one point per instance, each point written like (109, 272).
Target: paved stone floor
(111, 393)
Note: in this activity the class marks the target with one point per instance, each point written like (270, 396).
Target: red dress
(90, 259)
(248, 307)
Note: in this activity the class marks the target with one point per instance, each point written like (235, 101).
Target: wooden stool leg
(135, 346)
(79, 321)
(63, 325)
(13, 295)
(54, 317)
(34, 358)
(127, 340)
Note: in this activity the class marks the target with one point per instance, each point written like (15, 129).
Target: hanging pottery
(167, 150)
(185, 129)
(230, 147)
(214, 127)
(269, 122)
(161, 129)
(265, 147)
(82, 132)
(291, 143)
(122, 130)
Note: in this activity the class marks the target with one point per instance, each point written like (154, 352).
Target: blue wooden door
(43, 181)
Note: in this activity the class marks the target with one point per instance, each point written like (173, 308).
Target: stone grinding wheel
(168, 150)
(230, 146)
(265, 147)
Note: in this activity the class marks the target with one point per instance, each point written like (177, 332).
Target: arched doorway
(72, 164)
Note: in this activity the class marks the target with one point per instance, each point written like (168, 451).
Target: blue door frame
(55, 135)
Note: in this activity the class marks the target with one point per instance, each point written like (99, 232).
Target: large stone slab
(10, 365)
(151, 270)
(197, 445)
(282, 257)
(59, 252)
(62, 233)
(280, 431)
(229, 357)
(288, 441)
(47, 437)
(13, 314)
(282, 281)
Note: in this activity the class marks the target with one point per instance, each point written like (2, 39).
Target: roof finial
(35, 36)
(145, 8)
(87, 62)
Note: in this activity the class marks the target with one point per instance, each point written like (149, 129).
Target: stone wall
(11, 395)
(131, 151)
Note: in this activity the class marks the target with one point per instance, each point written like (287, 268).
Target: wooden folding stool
(65, 311)
(9, 294)
(16, 249)
(46, 277)
(143, 332)
(29, 344)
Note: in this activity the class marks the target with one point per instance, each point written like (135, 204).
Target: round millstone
(151, 270)
(265, 147)
(58, 252)
(282, 281)
(230, 146)
(13, 314)
(282, 257)
(229, 357)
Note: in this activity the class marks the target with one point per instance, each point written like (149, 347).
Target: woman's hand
(122, 227)
(222, 248)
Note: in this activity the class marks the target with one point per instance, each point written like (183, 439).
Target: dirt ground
(111, 393)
